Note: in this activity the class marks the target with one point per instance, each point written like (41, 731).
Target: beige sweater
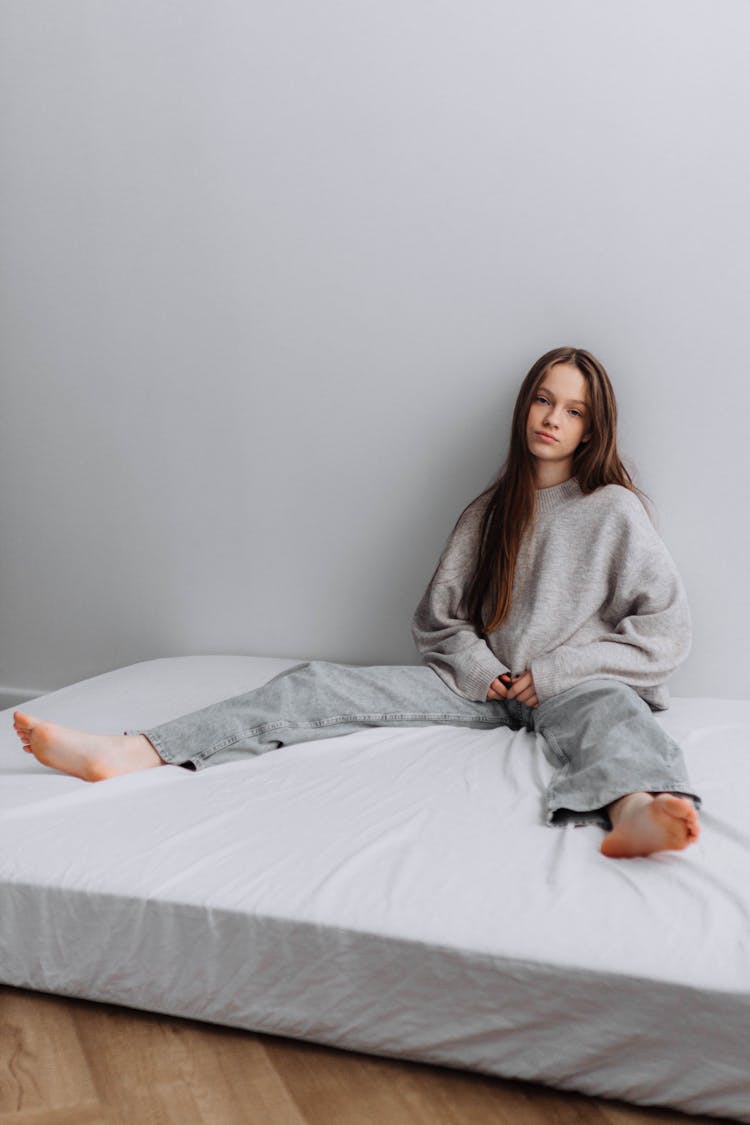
(596, 595)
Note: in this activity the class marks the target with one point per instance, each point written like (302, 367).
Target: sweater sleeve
(447, 641)
(649, 631)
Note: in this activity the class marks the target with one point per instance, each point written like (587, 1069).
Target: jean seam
(556, 747)
(371, 719)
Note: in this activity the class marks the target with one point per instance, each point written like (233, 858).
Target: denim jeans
(600, 735)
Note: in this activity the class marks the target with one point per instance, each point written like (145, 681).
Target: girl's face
(558, 421)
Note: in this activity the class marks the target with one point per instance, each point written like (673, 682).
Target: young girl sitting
(555, 606)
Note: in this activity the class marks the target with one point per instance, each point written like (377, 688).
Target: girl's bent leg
(606, 744)
(314, 701)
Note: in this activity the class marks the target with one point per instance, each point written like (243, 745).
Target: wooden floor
(71, 1062)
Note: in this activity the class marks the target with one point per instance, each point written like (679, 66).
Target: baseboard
(13, 697)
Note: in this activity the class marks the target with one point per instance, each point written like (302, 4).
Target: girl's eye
(541, 398)
(576, 413)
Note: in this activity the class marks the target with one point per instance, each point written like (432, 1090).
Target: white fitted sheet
(393, 891)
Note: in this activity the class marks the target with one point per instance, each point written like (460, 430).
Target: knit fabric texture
(596, 595)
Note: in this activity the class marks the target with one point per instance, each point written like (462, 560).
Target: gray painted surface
(271, 275)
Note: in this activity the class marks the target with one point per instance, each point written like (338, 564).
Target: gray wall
(271, 275)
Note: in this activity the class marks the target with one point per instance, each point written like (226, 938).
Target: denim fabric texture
(600, 736)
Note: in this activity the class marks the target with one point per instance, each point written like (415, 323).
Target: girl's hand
(523, 690)
(518, 687)
(499, 688)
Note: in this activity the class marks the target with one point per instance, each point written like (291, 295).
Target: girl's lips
(546, 437)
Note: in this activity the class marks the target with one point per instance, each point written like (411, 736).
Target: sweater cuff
(476, 679)
(546, 678)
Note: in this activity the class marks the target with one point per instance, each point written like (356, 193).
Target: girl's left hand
(523, 690)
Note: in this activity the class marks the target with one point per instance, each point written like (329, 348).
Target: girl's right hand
(499, 687)
(525, 691)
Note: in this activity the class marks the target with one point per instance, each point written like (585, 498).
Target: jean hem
(560, 815)
(167, 758)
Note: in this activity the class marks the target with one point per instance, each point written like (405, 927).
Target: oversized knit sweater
(595, 595)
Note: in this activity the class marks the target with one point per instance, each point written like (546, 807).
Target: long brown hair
(510, 509)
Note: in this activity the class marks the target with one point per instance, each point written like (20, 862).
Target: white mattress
(393, 891)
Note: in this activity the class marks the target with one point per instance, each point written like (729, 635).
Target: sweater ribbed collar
(550, 499)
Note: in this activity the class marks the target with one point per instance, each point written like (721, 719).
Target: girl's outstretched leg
(310, 701)
(645, 823)
(92, 757)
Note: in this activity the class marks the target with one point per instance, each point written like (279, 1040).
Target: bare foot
(644, 824)
(92, 757)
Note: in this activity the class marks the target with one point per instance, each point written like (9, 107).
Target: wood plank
(42, 1065)
(324, 1083)
(80, 1114)
(214, 1074)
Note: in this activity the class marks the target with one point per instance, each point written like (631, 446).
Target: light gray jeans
(600, 735)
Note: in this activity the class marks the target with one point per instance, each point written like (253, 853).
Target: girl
(555, 606)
